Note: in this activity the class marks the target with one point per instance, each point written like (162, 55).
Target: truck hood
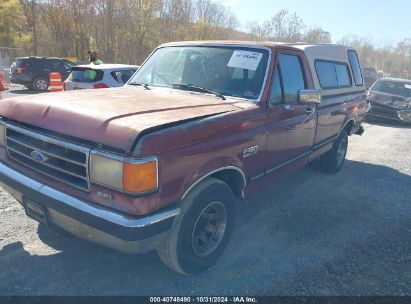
(112, 117)
(390, 101)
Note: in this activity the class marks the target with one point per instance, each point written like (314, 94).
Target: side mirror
(309, 96)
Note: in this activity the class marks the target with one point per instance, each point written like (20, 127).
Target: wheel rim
(342, 150)
(209, 229)
(41, 84)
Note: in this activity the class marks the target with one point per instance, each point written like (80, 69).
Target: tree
(11, 31)
(403, 51)
(283, 26)
(31, 12)
(255, 30)
(317, 35)
(391, 59)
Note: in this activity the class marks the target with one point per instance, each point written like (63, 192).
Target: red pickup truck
(163, 162)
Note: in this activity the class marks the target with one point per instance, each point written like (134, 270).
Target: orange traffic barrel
(56, 85)
(4, 85)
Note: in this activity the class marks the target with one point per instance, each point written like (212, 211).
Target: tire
(40, 84)
(185, 250)
(333, 160)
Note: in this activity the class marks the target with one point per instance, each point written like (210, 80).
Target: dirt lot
(311, 234)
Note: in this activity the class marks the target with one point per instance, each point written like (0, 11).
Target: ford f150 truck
(163, 162)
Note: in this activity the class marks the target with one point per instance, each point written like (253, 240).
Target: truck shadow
(310, 233)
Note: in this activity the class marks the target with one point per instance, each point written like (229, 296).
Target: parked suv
(33, 72)
(163, 162)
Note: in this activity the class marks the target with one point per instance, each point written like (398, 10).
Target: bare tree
(317, 35)
(276, 27)
(283, 26)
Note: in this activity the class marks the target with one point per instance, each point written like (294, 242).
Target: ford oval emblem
(38, 156)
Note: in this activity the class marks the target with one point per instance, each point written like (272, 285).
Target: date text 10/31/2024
(203, 300)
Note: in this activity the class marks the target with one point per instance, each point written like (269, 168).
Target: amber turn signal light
(140, 177)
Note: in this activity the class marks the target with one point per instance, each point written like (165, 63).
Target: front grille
(63, 161)
(383, 111)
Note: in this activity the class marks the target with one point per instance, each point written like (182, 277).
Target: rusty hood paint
(112, 117)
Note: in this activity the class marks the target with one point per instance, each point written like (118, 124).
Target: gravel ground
(310, 234)
(16, 90)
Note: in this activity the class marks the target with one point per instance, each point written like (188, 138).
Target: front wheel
(40, 84)
(201, 231)
(333, 160)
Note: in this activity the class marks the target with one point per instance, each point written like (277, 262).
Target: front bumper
(388, 113)
(88, 221)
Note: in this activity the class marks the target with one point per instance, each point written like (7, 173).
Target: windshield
(230, 71)
(391, 87)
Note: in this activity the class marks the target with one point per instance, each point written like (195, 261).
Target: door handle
(309, 110)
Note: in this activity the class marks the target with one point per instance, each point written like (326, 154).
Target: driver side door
(291, 125)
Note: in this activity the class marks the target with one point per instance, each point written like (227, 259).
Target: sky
(383, 22)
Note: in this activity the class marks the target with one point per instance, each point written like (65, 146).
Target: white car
(99, 76)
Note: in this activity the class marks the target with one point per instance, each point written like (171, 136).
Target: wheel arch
(37, 78)
(233, 176)
(348, 126)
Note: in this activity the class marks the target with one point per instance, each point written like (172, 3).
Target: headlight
(2, 133)
(400, 104)
(124, 174)
(405, 115)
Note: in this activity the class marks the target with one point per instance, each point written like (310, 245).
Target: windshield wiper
(194, 88)
(145, 85)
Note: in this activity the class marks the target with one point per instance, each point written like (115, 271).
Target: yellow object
(72, 59)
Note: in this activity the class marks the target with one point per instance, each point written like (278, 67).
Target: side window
(276, 95)
(326, 74)
(68, 65)
(343, 75)
(332, 74)
(117, 76)
(355, 67)
(122, 76)
(55, 65)
(292, 76)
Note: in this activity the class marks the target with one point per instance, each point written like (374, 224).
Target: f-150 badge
(247, 152)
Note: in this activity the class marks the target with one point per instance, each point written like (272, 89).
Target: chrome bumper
(88, 221)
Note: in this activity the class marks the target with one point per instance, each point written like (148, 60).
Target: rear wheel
(40, 84)
(201, 231)
(333, 160)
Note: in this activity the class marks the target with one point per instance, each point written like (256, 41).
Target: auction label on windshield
(245, 60)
